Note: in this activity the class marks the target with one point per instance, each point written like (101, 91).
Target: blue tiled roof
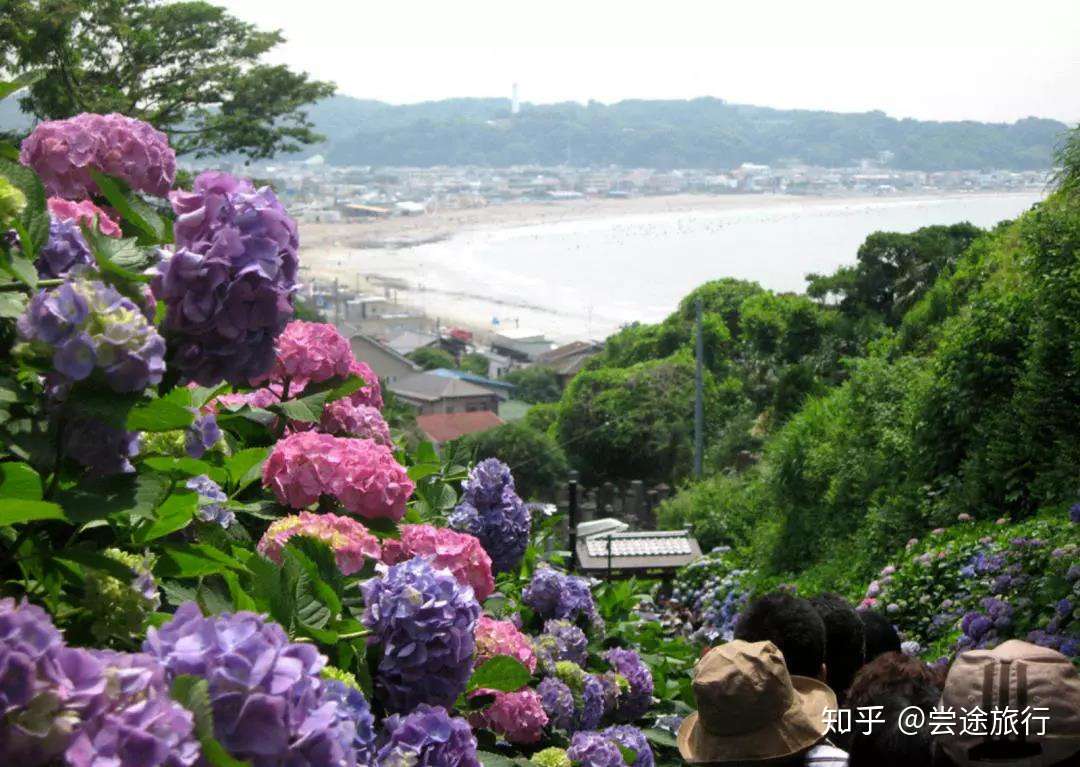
(471, 378)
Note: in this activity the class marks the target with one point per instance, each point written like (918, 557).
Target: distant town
(317, 191)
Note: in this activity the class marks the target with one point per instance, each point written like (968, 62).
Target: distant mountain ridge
(699, 133)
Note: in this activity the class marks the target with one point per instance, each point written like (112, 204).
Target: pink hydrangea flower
(351, 542)
(63, 152)
(310, 352)
(258, 398)
(460, 553)
(517, 716)
(874, 589)
(370, 393)
(503, 638)
(84, 212)
(360, 474)
(343, 418)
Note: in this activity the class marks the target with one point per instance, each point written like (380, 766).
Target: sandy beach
(582, 268)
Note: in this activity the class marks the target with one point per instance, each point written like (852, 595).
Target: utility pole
(699, 403)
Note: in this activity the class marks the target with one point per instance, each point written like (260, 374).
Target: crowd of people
(816, 682)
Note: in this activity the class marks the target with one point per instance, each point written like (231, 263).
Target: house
(520, 345)
(408, 341)
(500, 389)
(568, 359)
(430, 393)
(388, 365)
(444, 427)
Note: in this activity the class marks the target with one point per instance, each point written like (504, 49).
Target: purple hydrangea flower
(635, 702)
(493, 512)
(558, 703)
(355, 708)
(46, 689)
(201, 435)
(427, 737)
(1074, 513)
(591, 749)
(424, 620)
(102, 448)
(211, 501)
(269, 702)
(228, 287)
(561, 640)
(139, 725)
(592, 704)
(89, 326)
(552, 594)
(633, 739)
(63, 152)
(64, 249)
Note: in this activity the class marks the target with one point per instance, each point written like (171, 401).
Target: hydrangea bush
(215, 549)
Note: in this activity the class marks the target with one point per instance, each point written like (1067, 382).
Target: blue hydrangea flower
(65, 249)
(558, 703)
(591, 749)
(561, 640)
(633, 739)
(427, 737)
(102, 448)
(424, 621)
(355, 708)
(88, 326)
(637, 700)
(493, 512)
(269, 702)
(201, 435)
(552, 594)
(211, 501)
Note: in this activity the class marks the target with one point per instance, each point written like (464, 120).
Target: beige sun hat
(750, 708)
(1015, 675)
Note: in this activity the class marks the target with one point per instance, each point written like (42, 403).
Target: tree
(894, 270)
(189, 68)
(430, 358)
(535, 384)
(537, 461)
(1067, 159)
(474, 363)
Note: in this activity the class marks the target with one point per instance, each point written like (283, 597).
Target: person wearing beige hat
(750, 710)
(1014, 676)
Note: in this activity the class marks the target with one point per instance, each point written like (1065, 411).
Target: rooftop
(443, 427)
(464, 375)
(429, 387)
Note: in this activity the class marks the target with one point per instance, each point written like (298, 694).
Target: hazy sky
(929, 59)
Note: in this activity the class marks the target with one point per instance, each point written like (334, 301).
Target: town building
(389, 365)
(441, 428)
(430, 393)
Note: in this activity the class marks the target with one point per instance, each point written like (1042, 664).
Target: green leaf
(241, 599)
(124, 498)
(298, 410)
(33, 224)
(501, 673)
(125, 261)
(181, 468)
(193, 693)
(133, 208)
(97, 561)
(19, 267)
(19, 480)
(383, 528)
(167, 413)
(629, 755)
(16, 511)
(245, 466)
(8, 151)
(174, 514)
(12, 304)
(661, 738)
(190, 560)
(21, 81)
(489, 759)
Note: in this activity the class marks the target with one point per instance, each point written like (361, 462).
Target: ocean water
(584, 279)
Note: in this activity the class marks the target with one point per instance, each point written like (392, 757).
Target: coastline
(428, 262)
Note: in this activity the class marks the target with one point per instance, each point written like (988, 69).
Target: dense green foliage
(699, 133)
(537, 461)
(534, 384)
(189, 68)
(430, 358)
(474, 363)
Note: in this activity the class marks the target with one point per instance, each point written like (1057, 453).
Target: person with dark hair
(895, 682)
(793, 625)
(845, 648)
(879, 633)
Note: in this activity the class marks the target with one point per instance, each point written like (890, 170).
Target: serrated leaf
(175, 513)
(124, 260)
(17, 511)
(19, 480)
(245, 466)
(190, 560)
(167, 413)
(660, 737)
(501, 673)
(133, 208)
